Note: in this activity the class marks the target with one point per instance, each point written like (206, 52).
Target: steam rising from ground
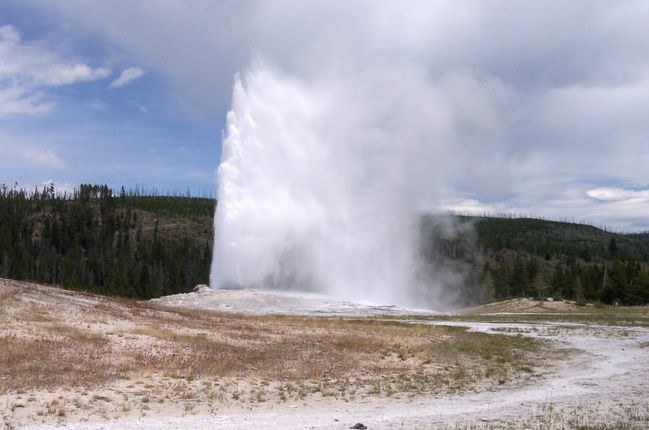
(323, 181)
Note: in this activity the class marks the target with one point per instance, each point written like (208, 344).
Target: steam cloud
(370, 114)
(561, 88)
(323, 179)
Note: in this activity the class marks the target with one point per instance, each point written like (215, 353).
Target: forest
(139, 244)
(126, 244)
(507, 257)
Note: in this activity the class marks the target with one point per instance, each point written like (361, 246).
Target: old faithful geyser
(322, 182)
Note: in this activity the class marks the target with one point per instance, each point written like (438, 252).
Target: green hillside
(124, 244)
(553, 238)
(129, 244)
(531, 257)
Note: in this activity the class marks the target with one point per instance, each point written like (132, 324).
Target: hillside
(527, 257)
(144, 246)
(128, 244)
(553, 238)
(501, 258)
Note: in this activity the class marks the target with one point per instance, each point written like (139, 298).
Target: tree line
(524, 257)
(105, 242)
(618, 281)
(140, 244)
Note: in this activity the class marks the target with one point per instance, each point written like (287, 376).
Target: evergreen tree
(95, 241)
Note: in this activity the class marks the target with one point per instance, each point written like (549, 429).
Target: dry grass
(136, 357)
(412, 357)
(623, 414)
(530, 310)
(45, 362)
(364, 354)
(554, 307)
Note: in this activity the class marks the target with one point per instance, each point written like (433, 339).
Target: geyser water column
(320, 186)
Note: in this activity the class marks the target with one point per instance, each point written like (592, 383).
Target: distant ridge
(138, 245)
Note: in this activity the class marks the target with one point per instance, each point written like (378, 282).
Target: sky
(547, 101)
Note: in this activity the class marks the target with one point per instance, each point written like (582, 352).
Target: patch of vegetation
(632, 316)
(502, 258)
(125, 244)
(298, 355)
(623, 414)
(143, 245)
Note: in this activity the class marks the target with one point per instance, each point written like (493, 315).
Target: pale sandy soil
(526, 305)
(603, 382)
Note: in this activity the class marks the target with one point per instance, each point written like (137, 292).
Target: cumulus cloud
(32, 65)
(127, 76)
(27, 68)
(545, 100)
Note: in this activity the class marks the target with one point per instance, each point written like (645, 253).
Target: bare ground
(89, 362)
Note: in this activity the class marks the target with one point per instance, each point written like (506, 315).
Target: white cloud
(17, 100)
(541, 110)
(613, 208)
(42, 156)
(30, 64)
(467, 206)
(127, 76)
(607, 194)
(27, 69)
(59, 187)
(28, 155)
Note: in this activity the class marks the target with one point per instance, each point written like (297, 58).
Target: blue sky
(92, 126)
(549, 100)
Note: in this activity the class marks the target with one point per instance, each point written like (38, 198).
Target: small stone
(200, 288)
(359, 426)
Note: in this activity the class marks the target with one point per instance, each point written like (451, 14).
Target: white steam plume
(322, 181)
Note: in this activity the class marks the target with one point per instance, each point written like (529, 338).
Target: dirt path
(604, 382)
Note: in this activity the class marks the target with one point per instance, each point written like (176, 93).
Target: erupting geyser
(322, 182)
